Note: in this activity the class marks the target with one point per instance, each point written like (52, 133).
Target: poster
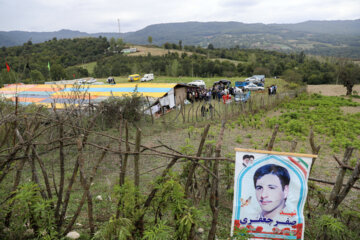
(270, 191)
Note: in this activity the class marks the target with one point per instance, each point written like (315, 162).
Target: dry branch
(62, 171)
(123, 166)
(86, 194)
(328, 182)
(273, 137)
(342, 164)
(214, 196)
(315, 149)
(194, 164)
(136, 164)
(340, 177)
(350, 183)
(293, 146)
(160, 153)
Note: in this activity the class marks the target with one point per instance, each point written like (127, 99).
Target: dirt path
(330, 90)
(144, 51)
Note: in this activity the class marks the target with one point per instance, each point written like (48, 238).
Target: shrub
(32, 212)
(128, 107)
(239, 139)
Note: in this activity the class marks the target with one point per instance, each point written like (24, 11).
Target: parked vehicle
(147, 77)
(92, 80)
(134, 77)
(242, 97)
(241, 84)
(224, 82)
(253, 87)
(256, 79)
(261, 78)
(86, 81)
(197, 83)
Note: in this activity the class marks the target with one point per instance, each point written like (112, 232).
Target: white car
(86, 81)
(92, 80)
(81, 81)
(253, 87)
(251, 79)
(197, 83)
(147, 77)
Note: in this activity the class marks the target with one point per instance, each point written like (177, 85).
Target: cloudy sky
(94, 16)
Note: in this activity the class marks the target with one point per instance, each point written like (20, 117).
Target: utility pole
(192, 68)
(119, 27)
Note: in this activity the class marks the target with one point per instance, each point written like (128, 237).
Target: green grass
(89, 66)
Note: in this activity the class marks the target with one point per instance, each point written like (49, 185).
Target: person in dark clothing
(203, 111)
(219, 95)
(211, 109)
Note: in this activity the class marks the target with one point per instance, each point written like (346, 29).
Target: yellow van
(134, 77)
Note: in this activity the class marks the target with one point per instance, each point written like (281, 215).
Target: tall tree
(349, 75)
(120, 43)
(150, 39)
(57, 72)
(112, 44)
(36, 76)
(292, 76)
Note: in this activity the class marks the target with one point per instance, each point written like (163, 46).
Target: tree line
(29, 62)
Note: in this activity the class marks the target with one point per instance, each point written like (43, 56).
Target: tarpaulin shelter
(61, 94)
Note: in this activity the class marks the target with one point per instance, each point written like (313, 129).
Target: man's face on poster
(246, 160)
(270, 193)
(251, 160)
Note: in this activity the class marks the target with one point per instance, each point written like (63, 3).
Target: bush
(129, 108)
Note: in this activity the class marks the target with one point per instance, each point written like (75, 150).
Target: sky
(93, 16)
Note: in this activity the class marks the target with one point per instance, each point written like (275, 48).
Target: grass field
(88, 66)
(155, 51)
(331, 89)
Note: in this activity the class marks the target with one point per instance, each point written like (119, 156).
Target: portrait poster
(270, 190)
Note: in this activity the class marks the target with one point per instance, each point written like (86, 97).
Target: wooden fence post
(189, 180)
(214, 196)
(273, 137)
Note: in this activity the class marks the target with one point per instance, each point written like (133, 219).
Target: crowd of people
(111, 80)
(216, 93)
(219, 93)
(272, 89)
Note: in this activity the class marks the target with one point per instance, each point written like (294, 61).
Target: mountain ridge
(334, 38)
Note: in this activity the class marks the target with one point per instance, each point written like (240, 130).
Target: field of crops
(129, 179)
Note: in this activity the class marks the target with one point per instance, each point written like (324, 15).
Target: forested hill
(347, 27)
(16, 38)
(331, 38)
